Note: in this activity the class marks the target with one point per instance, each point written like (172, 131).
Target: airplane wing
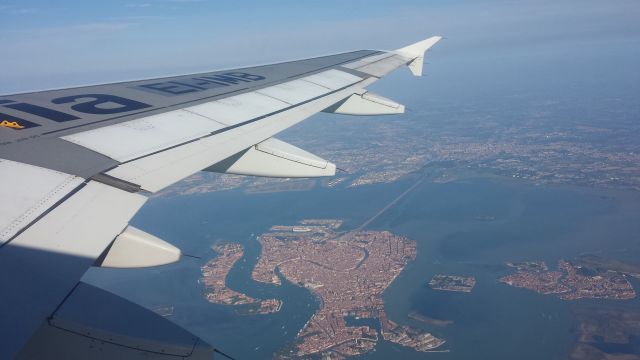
(77, 164)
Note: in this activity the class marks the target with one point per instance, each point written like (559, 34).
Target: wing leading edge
(97, 151)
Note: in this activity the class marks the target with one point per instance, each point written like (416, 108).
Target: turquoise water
(467, 227)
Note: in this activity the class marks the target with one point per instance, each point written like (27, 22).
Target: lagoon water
(466, 227)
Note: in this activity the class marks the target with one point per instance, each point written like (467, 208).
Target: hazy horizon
(54, 45)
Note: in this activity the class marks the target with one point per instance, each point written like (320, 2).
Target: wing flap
(52, 255)
(333, 79)
(238, 109)
(27, 192)
(136, 138)
(294, 92)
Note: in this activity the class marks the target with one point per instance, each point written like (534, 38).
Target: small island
(428, 320)
(214, 278)
(163, 310)
(572, 281)
(452, 283)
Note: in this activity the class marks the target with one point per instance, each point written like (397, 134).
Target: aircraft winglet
(416, 52)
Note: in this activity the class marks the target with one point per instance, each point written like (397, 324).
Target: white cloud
(138, 5)
(84, 29)
(16, 10)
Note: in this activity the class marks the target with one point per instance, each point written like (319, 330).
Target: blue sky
(62, 43)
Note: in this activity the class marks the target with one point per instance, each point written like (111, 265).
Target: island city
(571, 281)
(346, 271)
